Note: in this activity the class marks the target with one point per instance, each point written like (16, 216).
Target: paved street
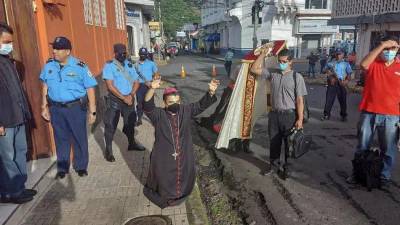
(316, 193)
(110, 195)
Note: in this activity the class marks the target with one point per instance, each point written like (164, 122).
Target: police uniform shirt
(147, 69)
(342, 68)
(112, 72)
(69, 82)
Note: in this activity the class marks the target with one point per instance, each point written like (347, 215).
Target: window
(103, 13)
(119, 14)
(122, 10)
(96, 12)
(87, 7)
(316, 4)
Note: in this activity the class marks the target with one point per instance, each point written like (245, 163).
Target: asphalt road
(316, 192)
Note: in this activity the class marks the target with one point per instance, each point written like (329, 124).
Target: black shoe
(139, 122)
(246, 146)
(30, 192)
(385, 182)
(110, 157)
(324, 117)
(60, 175)
(21, 199)
(136, 147)
(82, 173)
(352, 180)
(267, 171)
(344, 119)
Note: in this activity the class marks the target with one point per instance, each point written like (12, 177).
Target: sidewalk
(110, 195)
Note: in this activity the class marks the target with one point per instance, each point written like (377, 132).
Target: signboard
(132, 13)
(316, 26)
(155, 26)
(180, 34)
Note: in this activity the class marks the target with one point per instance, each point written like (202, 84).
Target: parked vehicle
(172, 49)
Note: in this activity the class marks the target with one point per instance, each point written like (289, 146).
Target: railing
(351, 8)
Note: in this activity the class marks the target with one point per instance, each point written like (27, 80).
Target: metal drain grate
(149, 220)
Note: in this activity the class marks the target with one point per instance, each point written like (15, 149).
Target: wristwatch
(93, 113)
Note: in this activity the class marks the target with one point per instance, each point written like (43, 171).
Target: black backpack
(367, 168)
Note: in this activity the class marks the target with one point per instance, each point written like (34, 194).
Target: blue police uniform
(146, 71)
(342, 69)
(112, 71)
(123, 77)
(67, 86)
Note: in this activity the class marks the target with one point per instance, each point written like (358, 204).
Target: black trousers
(228, 66)
(279, 125)
(116, 108)
(140, 94)
(331, 92)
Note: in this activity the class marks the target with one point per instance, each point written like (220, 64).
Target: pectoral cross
(175, 155)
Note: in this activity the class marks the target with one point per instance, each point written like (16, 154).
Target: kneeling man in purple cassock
(171, 175)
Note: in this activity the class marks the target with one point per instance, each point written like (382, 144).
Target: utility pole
(161, 29)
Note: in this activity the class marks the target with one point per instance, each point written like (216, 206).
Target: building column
(299, 41)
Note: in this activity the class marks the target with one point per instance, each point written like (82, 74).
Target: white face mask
(6, 49)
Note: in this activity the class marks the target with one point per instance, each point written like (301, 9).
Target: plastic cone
(214, 71)
(183, 72)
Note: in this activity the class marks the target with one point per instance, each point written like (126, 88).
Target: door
(26, 53)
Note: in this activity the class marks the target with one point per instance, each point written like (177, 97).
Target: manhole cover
(149, 220)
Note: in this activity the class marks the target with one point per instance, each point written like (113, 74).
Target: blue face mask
(6, 49)
(283, 66)
(389, 55)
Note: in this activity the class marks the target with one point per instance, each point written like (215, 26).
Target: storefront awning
(212, 37)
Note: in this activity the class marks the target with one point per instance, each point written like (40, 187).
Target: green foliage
(175, 13)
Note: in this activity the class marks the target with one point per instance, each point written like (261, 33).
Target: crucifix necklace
(176, 145)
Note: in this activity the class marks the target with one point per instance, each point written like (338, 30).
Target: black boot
(108, 154)
(109, 157)
(134, 146)
(246, 146)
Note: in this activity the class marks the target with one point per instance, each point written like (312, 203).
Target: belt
(65, 104)
(283, 111)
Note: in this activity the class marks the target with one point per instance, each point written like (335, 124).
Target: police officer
(146, 70)
(339, 75)
(122, 83)
(68, 100)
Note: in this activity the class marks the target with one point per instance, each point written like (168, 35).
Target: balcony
(351, 12)
(141, 2)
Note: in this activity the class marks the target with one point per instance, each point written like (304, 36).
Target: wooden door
(21, 18)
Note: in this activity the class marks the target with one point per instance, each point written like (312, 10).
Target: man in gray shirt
(287, 101)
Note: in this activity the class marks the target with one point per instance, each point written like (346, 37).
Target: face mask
(120, 57)
(174, 108)
(283, 66)
(389, 55)
(6, 49)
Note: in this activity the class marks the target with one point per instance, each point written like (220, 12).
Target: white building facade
(138, 14)
(373, 19)
(303, 23)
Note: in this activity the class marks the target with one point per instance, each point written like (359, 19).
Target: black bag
(299, 143)
(367, 168)
(306, 112)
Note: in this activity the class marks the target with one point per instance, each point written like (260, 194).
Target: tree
(175, 13)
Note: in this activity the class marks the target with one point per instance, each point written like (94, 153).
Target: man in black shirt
(14, 114)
